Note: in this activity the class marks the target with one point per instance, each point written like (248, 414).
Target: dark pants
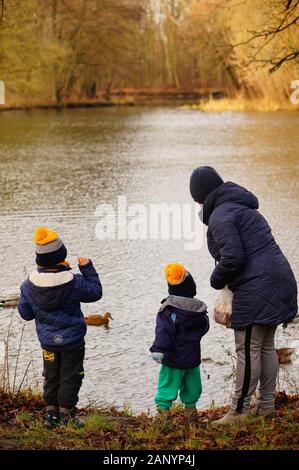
(63, 373)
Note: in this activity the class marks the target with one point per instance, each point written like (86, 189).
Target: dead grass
(241, 104)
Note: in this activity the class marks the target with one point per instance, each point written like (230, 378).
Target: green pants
(171, 381)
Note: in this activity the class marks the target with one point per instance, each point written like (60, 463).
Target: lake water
(56, 167)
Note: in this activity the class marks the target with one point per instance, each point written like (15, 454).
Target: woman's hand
(82, 260)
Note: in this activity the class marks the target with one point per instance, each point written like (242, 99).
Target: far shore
(125, 97)
(205, 100)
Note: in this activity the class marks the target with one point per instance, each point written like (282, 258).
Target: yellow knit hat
(175, 273)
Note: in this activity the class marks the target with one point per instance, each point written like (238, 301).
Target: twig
(92, 403)
(17, 359)
(286, 58)
(22, 381)
(6, 378)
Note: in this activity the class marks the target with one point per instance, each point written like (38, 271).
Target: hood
(185, 311)
(184, 303)
(51, 290)
(227, 192)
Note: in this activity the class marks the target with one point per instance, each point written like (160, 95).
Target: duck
(11, 302)
(285, 355)
(98, 320)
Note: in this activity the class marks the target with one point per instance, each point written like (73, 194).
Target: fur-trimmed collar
(50, 279)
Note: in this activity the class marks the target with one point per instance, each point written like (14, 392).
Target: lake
(57, 167)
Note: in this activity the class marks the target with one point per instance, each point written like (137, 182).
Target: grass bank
(21, 427)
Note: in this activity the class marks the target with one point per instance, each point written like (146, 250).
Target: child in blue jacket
(51, 296)
(181, 323)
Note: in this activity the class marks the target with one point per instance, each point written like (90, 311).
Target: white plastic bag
(223, 307)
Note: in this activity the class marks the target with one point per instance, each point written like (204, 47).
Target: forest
(57, 51)
(160, 191)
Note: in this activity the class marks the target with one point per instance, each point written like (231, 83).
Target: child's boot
(163, 416)
(68, 416)
(52, 419)
(191, 415)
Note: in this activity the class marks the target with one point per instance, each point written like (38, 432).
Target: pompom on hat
(180, 282)
(49, 248)
(43, 236)
(175, 273)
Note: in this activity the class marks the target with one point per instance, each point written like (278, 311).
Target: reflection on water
(56, 167)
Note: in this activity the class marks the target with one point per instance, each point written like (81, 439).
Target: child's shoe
(52, 419)
(191, 415)
(68, 416)
(163, 417)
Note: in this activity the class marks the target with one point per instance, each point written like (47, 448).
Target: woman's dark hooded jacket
(248, 259)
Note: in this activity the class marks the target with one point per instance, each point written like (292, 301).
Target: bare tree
(282, 20)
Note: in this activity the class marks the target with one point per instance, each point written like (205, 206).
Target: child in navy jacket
(181, 323)
(51, 296)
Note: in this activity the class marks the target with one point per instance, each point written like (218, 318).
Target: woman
(253, 266)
